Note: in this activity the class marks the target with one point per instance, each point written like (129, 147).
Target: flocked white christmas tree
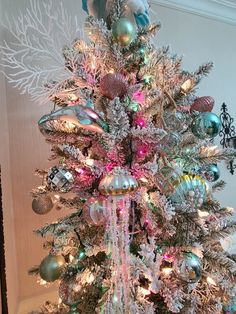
(135, 166)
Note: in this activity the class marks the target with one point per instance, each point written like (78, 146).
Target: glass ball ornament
(190, 188)
(203, 104)
(210, 172)
(42, 204)
(206, 125)
(117, 182)
(188, 267)
(124, 31)
(69, 291)
(59, 179)
(52, 267)
(133, 106)
(94, 211)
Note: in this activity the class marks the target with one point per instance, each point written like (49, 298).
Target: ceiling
(221, 10)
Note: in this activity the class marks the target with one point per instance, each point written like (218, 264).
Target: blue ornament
(206, 125)
(137, 11)
(210, 172)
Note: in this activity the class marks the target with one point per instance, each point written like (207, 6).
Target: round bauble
(206, 125)
(191, 189)
(94, 212)
(210, 172)
(203, 104)
(188, 267)
(118, 182)
(59, 179)
(42, 204)
(69, 292)
(51, 267)
(113, 85)
(134, 106)
(124, 31)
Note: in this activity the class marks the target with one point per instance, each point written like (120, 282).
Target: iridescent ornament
(210, 172)
(124, 31)
(188, 267)
(52, 267)
(69, 291)
(42, 204)
(94, 211)
(118, 182)
(133, 106)
(175, 121)
(206, 125)
(113, 85)
(72, 118)
(189, 188)
(203, 104)
(60, 179)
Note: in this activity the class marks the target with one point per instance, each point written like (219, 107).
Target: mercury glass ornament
(70, 119)
(69, 291)
(113, 85)
(51, 267)
(94, 211)
(191, 189)
(203, 104)
(188, 267)
(42, 204)
(118, 182)
(60, 179)
(210, 172)
(124, 31)
(206, 125)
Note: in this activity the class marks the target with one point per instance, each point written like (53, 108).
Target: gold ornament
(51, 267)
(118, 182)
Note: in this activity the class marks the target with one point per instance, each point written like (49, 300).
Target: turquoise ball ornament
(210, 172)
(51, 267)
(206, 125)
(124, 32)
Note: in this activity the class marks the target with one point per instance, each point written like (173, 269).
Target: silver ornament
(118, 182)
(60, 179)
(188, 267)
(42, 204)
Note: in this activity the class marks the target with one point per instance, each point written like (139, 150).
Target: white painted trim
(221, 10)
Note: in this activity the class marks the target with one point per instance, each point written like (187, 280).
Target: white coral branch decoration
(33, 57)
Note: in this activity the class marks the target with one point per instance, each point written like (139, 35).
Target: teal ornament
(69, 119)
(210, 172)
(206, 125)
(73, 310)
(52, 267)
(230, 308)
(124, 32)
(189, 189)
(188, 267)
(134, 106)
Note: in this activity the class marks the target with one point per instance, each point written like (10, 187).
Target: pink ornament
(139, 97)
(140, 121)
(142, 151)
(113, 85)
(203, 104)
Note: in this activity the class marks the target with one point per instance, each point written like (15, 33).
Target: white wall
(197, 38)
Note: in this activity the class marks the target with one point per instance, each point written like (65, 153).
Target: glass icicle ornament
(117, 185)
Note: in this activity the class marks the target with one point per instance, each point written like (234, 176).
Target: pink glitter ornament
(113, 85)
(139, 97)
(203, 104)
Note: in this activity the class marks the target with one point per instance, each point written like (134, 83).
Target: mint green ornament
(124, 31)
(134, 106)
